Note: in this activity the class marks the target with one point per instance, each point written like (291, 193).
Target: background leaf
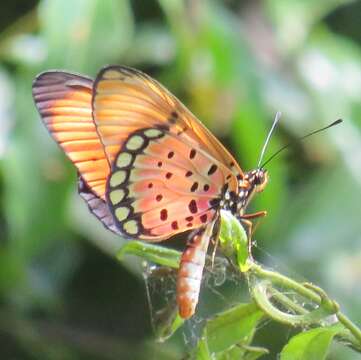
(236, 325)
(310, 345)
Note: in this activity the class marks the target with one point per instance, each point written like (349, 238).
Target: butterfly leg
(191, 270)
(246, 220)
(215, 238)
(255, 215)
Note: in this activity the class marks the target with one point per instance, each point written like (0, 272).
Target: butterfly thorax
(252, 182)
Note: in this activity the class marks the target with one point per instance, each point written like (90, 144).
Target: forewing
(64, 102)
(126, 99)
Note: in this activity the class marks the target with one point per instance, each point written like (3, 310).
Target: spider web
(222, 287)
(274, 263)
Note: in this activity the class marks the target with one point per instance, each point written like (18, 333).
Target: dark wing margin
(97, 206)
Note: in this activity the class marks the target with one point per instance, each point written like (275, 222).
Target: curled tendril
(262, 293)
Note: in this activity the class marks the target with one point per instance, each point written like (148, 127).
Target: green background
(234, 64)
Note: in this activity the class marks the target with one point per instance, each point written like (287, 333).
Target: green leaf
(202, 351)
(154, 253)
(254, 352)
(164, 331)
(233, 240)
(234, 353)
(310, 345)
(242, 352)
(236, 325)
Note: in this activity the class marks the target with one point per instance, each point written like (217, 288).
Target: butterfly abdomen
(190, 272)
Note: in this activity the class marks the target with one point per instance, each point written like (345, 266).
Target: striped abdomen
(191, 270)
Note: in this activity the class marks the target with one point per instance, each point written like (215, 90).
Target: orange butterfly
(148, 168)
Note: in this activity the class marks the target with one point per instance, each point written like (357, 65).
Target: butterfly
(148, 168)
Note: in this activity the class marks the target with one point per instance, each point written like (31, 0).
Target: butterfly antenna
(338, 121)
(275, 121)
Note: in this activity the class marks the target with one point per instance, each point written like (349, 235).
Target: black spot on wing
(173, 117)
(212, 169)
(193, 208)
(194, 187)
(203, 218)
(192, 154)
(164, 214)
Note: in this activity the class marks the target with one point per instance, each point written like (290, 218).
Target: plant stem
(261, 292)
(348, 324)
(307, 293)
(287, 302)
(284, 281)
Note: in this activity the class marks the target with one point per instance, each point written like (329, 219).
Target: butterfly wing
(168, 172)
(64, 103)
(126, 99)
(97, 206)
(160, 186)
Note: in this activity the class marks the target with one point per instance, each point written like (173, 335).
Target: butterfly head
(259, 179)
(254, 181)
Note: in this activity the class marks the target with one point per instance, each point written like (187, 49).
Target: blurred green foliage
(234, 64)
